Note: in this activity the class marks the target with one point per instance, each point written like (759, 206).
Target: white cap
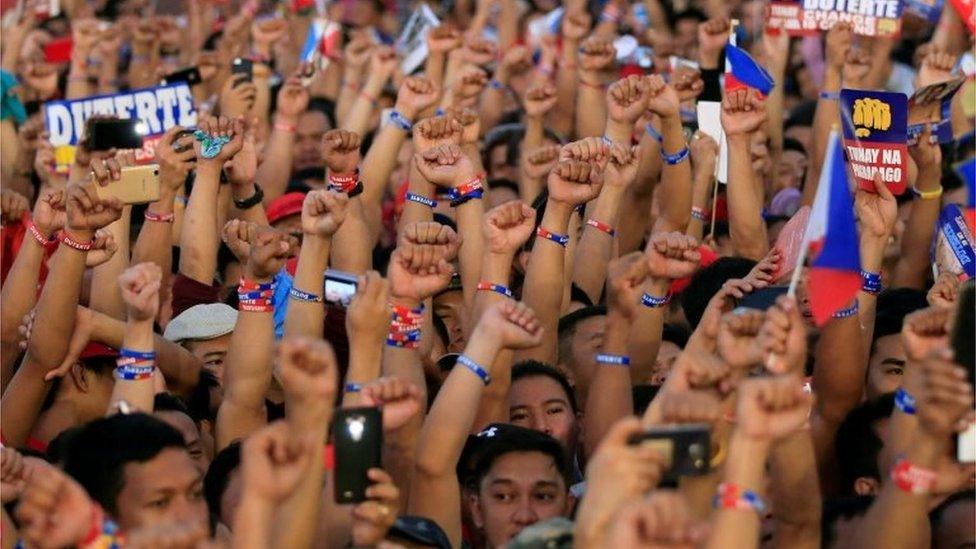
(206, 321)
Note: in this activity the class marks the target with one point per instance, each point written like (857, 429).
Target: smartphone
(138, 185)
(340, 287)
(190, 75)
(114, 133)
(357, 444)
(58, 50)
(686, 448)
(241, 65)
(763, 299)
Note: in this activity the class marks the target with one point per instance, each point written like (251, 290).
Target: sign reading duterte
(810, 17)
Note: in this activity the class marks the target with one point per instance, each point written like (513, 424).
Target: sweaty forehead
(536, 390)
(888, 346)
(524, 469)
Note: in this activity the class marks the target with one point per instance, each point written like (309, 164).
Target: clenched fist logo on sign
(870, 114)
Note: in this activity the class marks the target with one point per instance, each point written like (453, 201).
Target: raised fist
(783, 337)
(274, 461)
(537, 163)
(627, 99)
(713, 35)
(237, 235)
(574, 182)
(445, 166)
(662, 99)
(625, 279)
(323, 212)
(308, 369)
(13, 206)
(470, 85)
(945, 397)
(926, 331)
(838, 43)
(508, 226)
(540, 99)
(743, 112)
(576, 25)
(54, 511)
(399, 397)
(672, 255)
(292, 98)
(431, 232)
(596, 54)
(86, 211)
(432, 132)
(737, 343)
(442, 39)
(622, 168)
(470, 123)
(479, 51)
(771, 408)
(139, 286)
(418, 271)
(383, 61)
(416, 94)
(103, 248)
(943, 293)
(512, 324)
(268, 251)
(936, 67)
(340, 149)
(588, 149)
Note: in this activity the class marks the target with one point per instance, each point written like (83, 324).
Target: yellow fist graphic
(870, 114)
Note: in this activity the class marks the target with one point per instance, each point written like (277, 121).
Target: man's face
(540, 403)
(685, 37)
(448, 307)
(191, 435)
(498, 167)
(167, 489)
(291, 225)
(586, 343)
(789, 172)
(666, 356)
(886, 366)
(212, 353)
(521, 488)
(309, 130)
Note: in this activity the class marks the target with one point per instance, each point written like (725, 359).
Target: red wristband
(45, 242)
(283, 127)
(592, 85)
(911, 478)
(163, 218)
(74, 244)
(601, 226)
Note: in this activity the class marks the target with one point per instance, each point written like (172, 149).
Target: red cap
(708, 256)
(98, 350)
(284, 206)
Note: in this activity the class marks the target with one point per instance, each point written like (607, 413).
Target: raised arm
(676, 174)
(248, 371)
(134, 375)
(382, 64)
(596, 59)
(340, 149)
(274, 172)
(742, 115)
(435, 493)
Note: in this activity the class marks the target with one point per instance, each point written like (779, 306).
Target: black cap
(419, 530)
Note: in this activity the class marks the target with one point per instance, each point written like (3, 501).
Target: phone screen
(358, 444)
(340, 287)
(190, 75)
(241, 65)
(116, 134)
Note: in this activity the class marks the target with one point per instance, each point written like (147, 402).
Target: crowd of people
(519, 253)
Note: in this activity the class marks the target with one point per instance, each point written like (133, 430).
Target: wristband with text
(44, 241)
(561, 239)
(429, 202)
(870, 282)
(730, 495)
(601, 226)
(299, 295)
(474, 367)
(497, 288)
(615, 360)
(912, 479)
(400, 121)
(650, 301)
(904, 401)
(848, 312)
(74, 244)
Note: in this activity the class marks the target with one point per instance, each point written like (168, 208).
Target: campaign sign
(875, 127)
(929, 10)
(411, 45)
(811, 17)
(158, 108)
(954, 244)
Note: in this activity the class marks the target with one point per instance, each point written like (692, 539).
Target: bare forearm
(744, 467)
(247, 377)
(595, 248)
(18, 295)
(154, 237)
(352, 252)
(591, 110)
(796, 492)
(746, 225)
(826, 115)
(198, 239)
(675, 178)
(610, 398)
(362, 108)
(306, 318)
(838, 376)
(912, 268)
(105, 296)
(55, 312)
(471, 251)
(274, 172)
(22, 401)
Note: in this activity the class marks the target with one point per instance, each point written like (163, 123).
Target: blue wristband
(295, 293)
(676, 158)
(429, 202)
(607, 141)
(353, 387)
(904, 401)
(495, 84)
(830, 96)
(474, 367)
(140, 355)
(650, 301)
(400, 121)
(848, 312)
(616, 360)
(654, 134)
(871, 282)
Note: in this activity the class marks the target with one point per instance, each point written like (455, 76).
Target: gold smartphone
(138, 185)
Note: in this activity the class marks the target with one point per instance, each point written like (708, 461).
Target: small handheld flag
(743, 71)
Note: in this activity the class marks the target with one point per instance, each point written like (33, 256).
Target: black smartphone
(963, 342)
(105, 134)
(686, 448)
(244, 66)
(357, 442)
(190, 75)
(340, 286)
(763, 299)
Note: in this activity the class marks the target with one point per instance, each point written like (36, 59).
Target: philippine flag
(831, 240)
(742, 71)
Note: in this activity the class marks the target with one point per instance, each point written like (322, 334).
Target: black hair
(444, 220)
(503, 183)
(790, 144)
(708, 281)
(569, 322)
(218, 476)
(96, 455)
(509, 135)
(441, 329)
(100, 366)
(198, 405)
(857, 444)
(517, 439)
(642, 396)
(689, 13)
(577, 294)
(675, 333)
(534, 368)
(893, 305)
(168, 402)
(834, 509)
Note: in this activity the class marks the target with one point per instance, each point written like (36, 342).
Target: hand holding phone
(340, 287)
(113, 133)
(138, 185)
(686, 448)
